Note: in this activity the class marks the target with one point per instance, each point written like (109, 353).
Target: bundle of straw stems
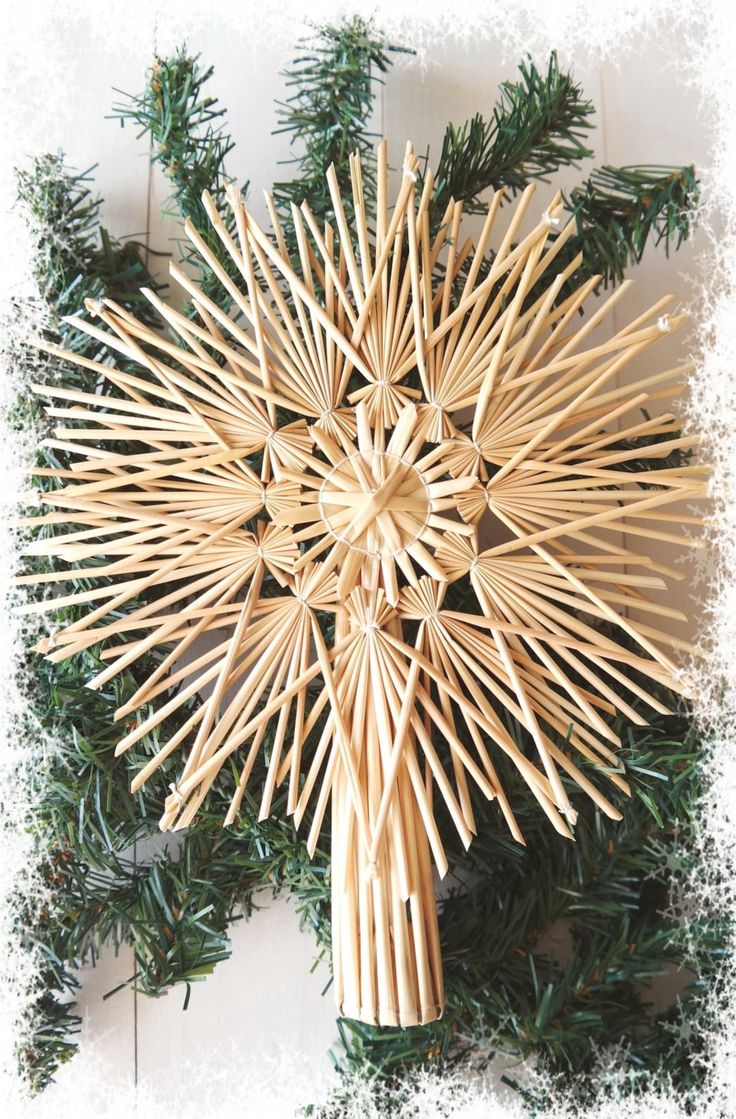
(386, 961)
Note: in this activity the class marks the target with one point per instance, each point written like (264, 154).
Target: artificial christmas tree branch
(618, 209)
(187, 133)
(538, 125)
(327, 116)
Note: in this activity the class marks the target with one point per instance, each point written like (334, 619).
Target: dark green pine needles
(186, 130)
(327, 116)
(539, 125)
(612, 890)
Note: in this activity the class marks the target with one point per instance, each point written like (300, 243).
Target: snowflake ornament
(373, 508)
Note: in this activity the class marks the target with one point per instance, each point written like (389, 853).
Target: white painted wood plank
(652, 117)
(264, 999)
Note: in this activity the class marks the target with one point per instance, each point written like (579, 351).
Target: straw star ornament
(373, 511)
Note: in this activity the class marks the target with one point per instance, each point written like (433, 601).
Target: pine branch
(53, 1023)
(190, 143)
(74, 256)
(538, 125)
(618, 212)
(328, 115)
(619, 209)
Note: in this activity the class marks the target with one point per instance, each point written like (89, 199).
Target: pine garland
(505, 994)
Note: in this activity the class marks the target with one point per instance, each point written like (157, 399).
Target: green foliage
(49, 1042)
(618, 209)
(327, 116)
(111, 881)
(75, 257)
(538, 125)
(189, 142)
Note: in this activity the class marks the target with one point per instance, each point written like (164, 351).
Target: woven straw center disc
(376, 503)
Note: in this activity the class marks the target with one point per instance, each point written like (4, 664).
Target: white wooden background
(264, 998)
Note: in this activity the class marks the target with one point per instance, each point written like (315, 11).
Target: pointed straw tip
(94, 306)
